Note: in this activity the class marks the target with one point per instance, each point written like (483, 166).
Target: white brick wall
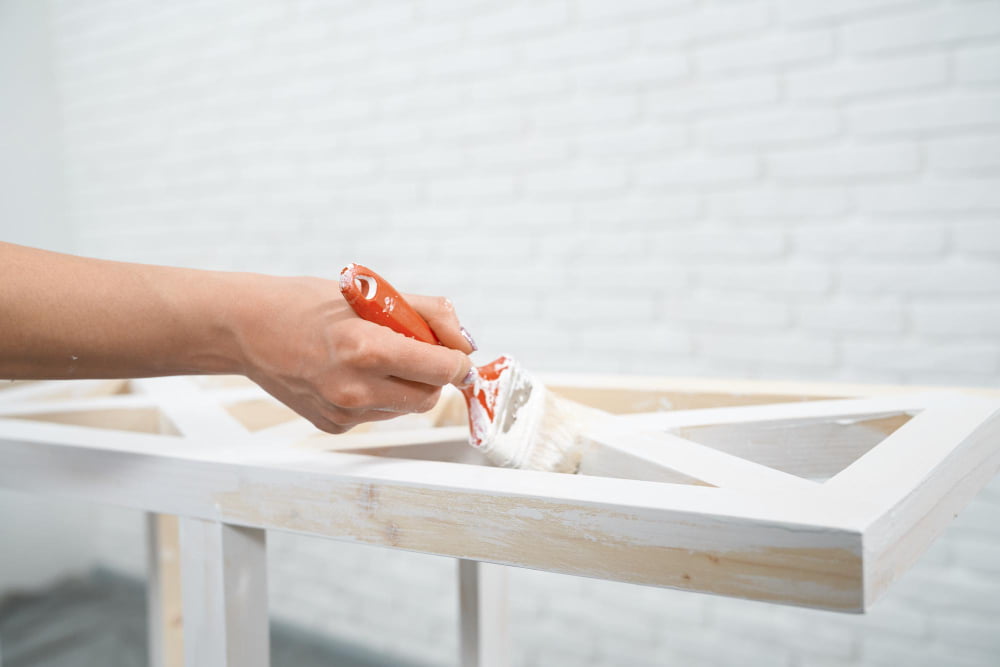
(796, 188)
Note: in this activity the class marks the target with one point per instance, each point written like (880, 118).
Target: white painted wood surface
(222, 569)
(484, 633)
(224, 589)
(702, 518)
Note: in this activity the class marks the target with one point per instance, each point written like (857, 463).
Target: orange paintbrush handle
(375, 300)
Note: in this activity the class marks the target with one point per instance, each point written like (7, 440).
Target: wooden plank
(737, 388)
(483, 615)
(615, 461)
(223, 568)
(380, 439)
(85, 404)
(261, 413)
(192, 412)
(815, 449)
(143, 420)
(58, 390)
(690, 537)
(760, 533)
(915, 482)
(298, 430)
(706, 464)
(905, 458)
(266, 460)
(623, 400)
(224, 574)
(163, 592)
(778, 412)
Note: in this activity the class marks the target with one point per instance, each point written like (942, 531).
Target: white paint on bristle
(520, 406)
(557, 445)
(532, 428)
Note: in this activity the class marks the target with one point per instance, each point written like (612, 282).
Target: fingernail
(469, 377)
(467, 336)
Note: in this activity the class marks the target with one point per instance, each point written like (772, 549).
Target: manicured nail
(469, 377)
(467, 336)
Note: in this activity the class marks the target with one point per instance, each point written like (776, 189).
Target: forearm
(63, 316)
(71, 317)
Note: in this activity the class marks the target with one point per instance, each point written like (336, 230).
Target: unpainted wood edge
(165, 616)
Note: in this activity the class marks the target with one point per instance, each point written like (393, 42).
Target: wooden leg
(224, 579)
(163, 594)
(482, 593)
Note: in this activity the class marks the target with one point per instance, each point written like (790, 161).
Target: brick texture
(787, 188)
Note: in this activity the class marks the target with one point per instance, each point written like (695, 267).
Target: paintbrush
(513, 419)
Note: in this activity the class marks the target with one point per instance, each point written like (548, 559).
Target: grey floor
(100, 621)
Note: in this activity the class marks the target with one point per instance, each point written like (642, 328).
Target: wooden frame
(804, 494)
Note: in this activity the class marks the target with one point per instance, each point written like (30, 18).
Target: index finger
(409, 359)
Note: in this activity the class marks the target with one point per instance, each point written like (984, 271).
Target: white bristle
(555, 443)
(535, 429)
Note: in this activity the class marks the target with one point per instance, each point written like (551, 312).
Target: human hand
(303, 344)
